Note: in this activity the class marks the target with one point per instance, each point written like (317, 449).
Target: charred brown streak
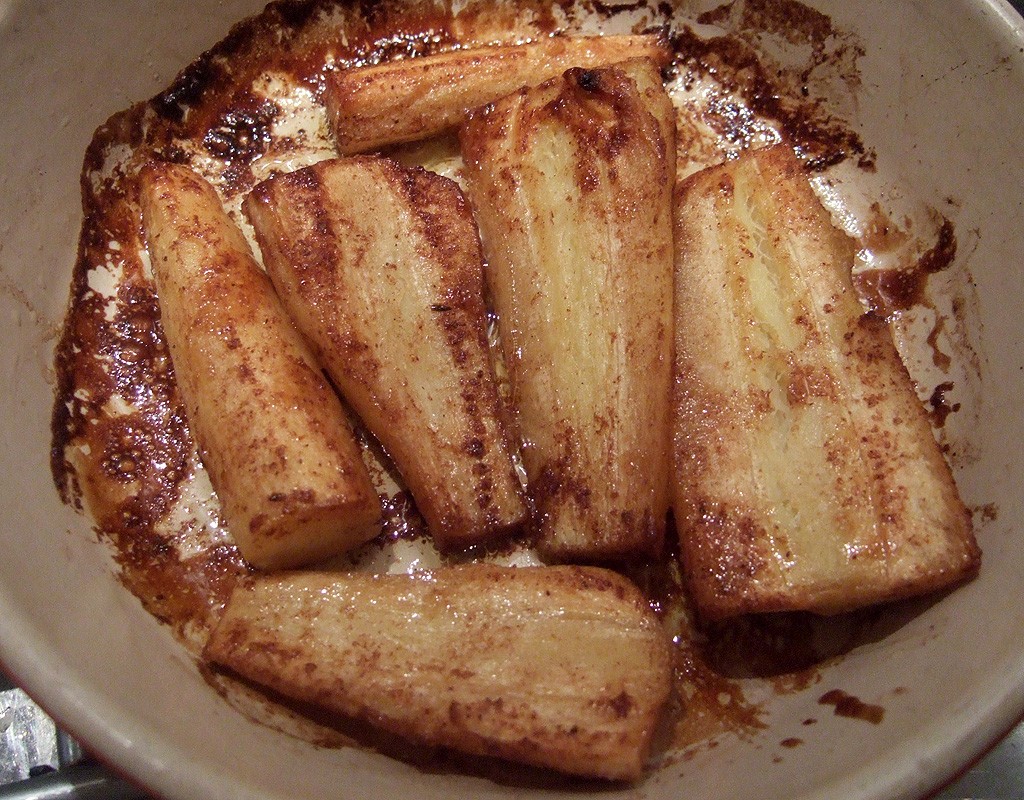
(211, 74)
(820, 140)
(188, 89)
(86, 330)
(66, 418)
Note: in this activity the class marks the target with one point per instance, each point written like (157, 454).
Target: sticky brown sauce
(846, 705)
(887, 292)
(121, 444)
(787, 94)
(890, 292)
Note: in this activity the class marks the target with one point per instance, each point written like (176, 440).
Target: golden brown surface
(252, 105)
(806, 474)
(272, 434)
(571, 183)
(380, 267)
(562, 667)
(411, 99)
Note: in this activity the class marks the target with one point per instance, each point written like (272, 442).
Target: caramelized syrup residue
(846, 705)
(121, 445)
(887, 292)
(784, 93)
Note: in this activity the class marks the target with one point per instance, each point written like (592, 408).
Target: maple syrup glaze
(887, 292)
(846, 705)
(121, 445)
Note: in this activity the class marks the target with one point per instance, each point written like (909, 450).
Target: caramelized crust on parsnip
(571, 182)
(380, 267)
(410, 99)
(561, 667)
(806, 474)
(271, 432)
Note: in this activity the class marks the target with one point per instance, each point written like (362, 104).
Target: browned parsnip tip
(413, 98)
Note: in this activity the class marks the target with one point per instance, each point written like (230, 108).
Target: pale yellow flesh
(571, 183)
(413, 98)
(380, 267)
(561, 667)
(806, 474)
(271, 432)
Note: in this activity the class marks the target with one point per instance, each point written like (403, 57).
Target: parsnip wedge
(561, 667)
(271, 432)
(413, 98)
(571, 182)
(806, 473)
(380, 267)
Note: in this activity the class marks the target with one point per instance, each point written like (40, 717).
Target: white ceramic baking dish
(940, 101)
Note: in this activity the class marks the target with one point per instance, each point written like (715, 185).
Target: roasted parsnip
(572, 185)
(561, 667)
(410, 99)
(806, 474)
(270, 430)
(380, 267)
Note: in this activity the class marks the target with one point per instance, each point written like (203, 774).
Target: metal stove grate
(38, 761)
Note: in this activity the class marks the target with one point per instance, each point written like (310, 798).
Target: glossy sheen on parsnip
(572, 183)
(380, 267)
(806, 473)
(561, 667)
(271, 432)
(412, 98)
